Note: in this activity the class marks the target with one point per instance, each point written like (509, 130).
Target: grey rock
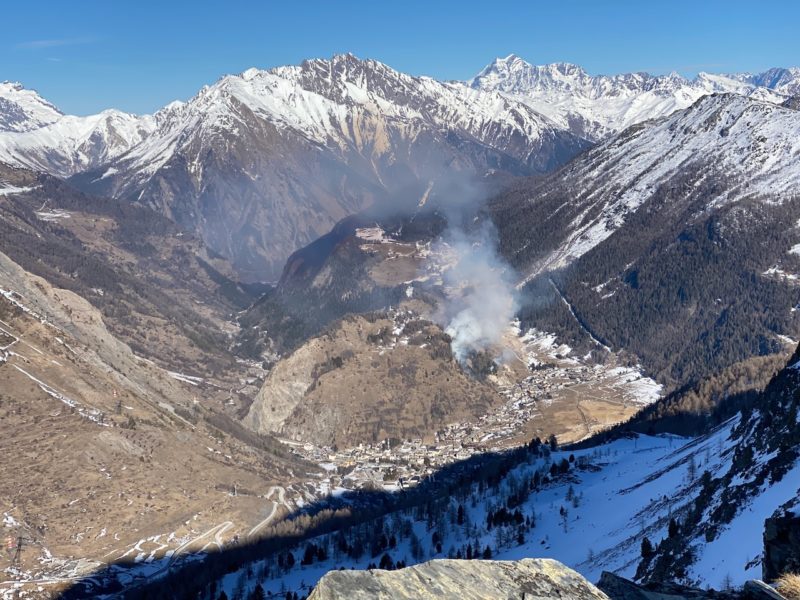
(781, 545)
(758, 590)
(619, 588)
(527, 579)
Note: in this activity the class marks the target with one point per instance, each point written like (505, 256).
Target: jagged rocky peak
(516, 76)
(334, 78)
(595, 106)
(531, 579)
(22, 109)
(512, 74)
(786, 81)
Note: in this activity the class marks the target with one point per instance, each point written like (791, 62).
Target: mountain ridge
(686, 219)
(297, 148)
(595, 106)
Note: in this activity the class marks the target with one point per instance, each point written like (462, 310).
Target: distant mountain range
(595, 106)
(261, 163)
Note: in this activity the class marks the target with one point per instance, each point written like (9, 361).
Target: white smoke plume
(484, 298)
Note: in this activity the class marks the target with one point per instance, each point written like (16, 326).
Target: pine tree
(673, 528)
(386, 562)
(257, 593)
(647, 548)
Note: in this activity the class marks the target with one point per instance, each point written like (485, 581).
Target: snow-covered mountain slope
(24, 110)
(711, 186)
(491, 118)
(596, 106)
(70, 144)
(751, 148)
(784, 81)
(263, 162)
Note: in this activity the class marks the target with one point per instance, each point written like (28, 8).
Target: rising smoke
(480, 293)
(483, 299)
(480, 299)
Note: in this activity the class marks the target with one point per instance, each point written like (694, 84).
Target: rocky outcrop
(793, 103)
(758, 590)
(781, 545)
(528, 579)
(619, 588)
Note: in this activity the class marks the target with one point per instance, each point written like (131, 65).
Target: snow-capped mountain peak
(319, 98)
(597, 106)
(22, 109)
(783, 80)
(360, 118)
(514, 75)
(68, 144)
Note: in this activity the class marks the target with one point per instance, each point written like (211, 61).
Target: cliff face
(781, 545)
(531, 579)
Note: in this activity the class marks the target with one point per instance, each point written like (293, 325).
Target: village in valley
(544, 388)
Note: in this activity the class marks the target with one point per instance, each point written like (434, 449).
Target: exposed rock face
(619, 588)
(528, 579)
(781, 545)
(758, 590)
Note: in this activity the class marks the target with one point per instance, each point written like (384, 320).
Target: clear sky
(86, 55)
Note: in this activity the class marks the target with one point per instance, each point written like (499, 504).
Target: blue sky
(86, 55)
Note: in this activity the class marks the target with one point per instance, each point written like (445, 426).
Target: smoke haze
(483, 297)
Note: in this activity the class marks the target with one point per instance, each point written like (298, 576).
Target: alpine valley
(332, 316)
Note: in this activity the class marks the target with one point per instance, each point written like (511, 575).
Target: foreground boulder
(527, 579)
